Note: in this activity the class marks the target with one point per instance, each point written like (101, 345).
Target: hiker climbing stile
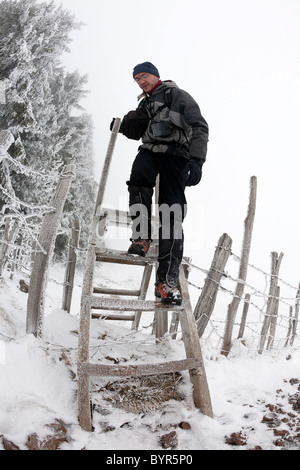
(174, 145)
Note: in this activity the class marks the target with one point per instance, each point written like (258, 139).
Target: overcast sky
(239, 59)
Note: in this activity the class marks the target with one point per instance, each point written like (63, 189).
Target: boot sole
(143, 254)
(167, 301)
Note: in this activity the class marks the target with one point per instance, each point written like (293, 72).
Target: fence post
(71, 266)
(244, 316)
(103, 180)
(273, 321)
(232, 308)
(271, 305)
(207, 299)
(289, 332)
(38, 278)
(175, 315)
(295, 319)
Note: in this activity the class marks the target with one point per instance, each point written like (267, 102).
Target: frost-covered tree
(41, 98)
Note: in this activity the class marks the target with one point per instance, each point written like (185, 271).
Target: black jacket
(176, 124)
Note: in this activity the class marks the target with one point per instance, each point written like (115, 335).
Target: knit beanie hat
(145, 67)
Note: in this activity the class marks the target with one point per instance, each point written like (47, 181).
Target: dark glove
(194, 172)
(112, 125)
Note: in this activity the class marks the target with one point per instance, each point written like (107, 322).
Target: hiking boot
(139, 247)
(167, 294)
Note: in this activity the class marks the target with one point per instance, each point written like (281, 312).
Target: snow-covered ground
(252, 395)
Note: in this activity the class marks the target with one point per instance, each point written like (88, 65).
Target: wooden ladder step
(139, 370)
(103, 303)
(113, 317)
(104, 290)
(122, 257)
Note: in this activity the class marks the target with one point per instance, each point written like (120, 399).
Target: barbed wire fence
(248, 328)
(266, 319)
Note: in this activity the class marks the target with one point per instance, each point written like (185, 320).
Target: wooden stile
(95, 299)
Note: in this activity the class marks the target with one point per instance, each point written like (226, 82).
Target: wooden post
(142, 295)
(35, 303)
(175, 315)
(103, 181)
(233, 307)
(244, 316)
(295, 319)
(290, 328)
(207, 299)
(271, 305)
(160, 325)
(84, 407)
(71, 266)
(273, 321)
(192, 346)
(107, 162)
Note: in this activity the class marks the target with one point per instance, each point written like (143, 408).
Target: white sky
(240, 60)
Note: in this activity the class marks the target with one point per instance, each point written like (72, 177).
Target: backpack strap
(168, 96)
(168, 101)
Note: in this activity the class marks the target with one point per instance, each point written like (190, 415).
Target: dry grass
(141, 394)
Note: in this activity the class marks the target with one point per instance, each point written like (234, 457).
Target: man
(174, 145)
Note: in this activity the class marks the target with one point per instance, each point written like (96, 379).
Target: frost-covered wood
(115, 291)
(244, 316)
(84, 412)
(38, 278)
(115, 256)
(289, 332)
(97, 227)
(192, 346)
(107, 163)
(142, 295)
(139, 370)
(273, 322)
(271, 305)
(106, 316)
(206, 302)
(91, 301)
(119, 304)
(296, 317)
(71, 266)
(175, 315)
(114, 217)
(233, 306)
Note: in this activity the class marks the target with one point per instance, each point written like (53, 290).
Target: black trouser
(172, 171)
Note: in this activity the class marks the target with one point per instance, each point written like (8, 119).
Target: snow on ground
(38, 382)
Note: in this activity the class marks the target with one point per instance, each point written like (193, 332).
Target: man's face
(146, 81)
